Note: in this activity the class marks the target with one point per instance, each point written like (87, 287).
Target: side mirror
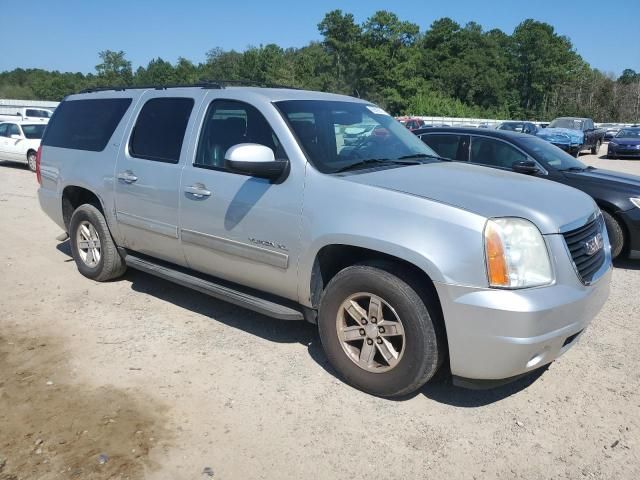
(255, 160)
(15, 136)
(525, 166)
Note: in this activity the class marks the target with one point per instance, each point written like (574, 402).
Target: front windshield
(570, 123)
(335, 135)
(629, 133)
(550, 155)
(33, 131)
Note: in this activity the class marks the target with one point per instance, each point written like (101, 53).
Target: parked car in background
(521, 127)
(573, 135)
(610, 130)
(617, 194)
(404, 260)
(412, 123)
(19, 142)
(626, 144)
(31, 114)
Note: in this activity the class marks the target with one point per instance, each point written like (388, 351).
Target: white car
(19, 142)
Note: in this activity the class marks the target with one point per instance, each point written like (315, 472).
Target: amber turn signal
(494, 252)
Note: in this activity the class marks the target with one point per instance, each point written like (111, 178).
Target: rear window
(85, 124)
(160, 129)
(33, 132)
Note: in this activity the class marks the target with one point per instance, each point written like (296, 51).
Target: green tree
(115, 69)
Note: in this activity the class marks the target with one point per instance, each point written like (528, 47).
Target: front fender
(443, 241)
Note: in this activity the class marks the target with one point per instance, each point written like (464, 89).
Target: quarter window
(494, 153)
(3, 129)
(159, 131)
(85, 124)
(228, 123)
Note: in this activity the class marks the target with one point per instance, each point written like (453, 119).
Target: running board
(216, 290)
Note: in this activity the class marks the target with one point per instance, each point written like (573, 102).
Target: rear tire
(616, 234)
(31, 160)
(416, 353)
(93, 249)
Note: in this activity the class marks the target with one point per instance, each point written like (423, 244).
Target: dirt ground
(139, 378)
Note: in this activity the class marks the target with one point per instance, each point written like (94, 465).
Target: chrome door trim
(233, 247)
(147, 224)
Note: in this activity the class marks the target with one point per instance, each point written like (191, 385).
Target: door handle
(127, 176)
(198, 190)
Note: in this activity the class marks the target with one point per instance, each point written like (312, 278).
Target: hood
(626, 141)
(561, 135)
(488, 192)
(618, 180)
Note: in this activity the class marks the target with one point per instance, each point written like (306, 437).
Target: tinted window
(33, 131)
(629, 133)
(495, 153)
(85, 124)
(447, 146)
(338, 135)
(160, 128)
(12, 129)
(570, 123)
(550, 155)
(37, 113)
(229, 123)
(3, 129)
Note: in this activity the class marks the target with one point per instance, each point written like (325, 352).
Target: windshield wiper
(425, 155)
(373, 161)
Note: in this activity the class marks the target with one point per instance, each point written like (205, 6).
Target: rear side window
(160, 128)
(447, 146)
(85, 124)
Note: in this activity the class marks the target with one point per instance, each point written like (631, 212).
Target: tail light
(38, 158)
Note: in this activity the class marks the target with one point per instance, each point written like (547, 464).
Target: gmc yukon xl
(405, 261)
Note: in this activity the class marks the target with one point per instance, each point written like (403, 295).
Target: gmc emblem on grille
(594, 245)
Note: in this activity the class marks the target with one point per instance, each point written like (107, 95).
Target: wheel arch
(73, 196)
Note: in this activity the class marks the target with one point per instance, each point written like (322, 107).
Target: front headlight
(516, 254)
(635, 201)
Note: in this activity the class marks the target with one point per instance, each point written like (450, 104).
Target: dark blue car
(626, 144)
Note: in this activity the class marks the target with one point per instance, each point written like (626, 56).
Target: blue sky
(66, 35)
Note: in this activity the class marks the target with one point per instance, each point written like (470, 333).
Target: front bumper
(571, 149)
(623, 152)
(499, 334)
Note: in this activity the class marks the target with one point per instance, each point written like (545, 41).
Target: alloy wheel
(370, 332)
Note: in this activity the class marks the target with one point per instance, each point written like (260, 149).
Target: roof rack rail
(213, 84)
(121, 88)
(243, 82)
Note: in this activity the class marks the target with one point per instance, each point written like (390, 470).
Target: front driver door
(240, 228)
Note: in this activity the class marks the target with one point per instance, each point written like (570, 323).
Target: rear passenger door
(448, 145)
(236, 227)
(148, 174)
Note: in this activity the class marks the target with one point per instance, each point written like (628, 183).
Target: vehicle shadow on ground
(439, 389)
(15, 165)
(626, 264)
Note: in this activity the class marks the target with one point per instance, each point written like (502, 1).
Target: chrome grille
(586, 264)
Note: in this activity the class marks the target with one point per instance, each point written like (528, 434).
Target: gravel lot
(168, 383)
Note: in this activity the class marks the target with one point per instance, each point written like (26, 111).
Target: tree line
(448, 70)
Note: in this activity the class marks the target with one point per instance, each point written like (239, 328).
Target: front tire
(616, 234)
(378, 333)
(93, 249)
(596, 148)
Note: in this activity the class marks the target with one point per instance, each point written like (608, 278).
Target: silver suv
(306, 205)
